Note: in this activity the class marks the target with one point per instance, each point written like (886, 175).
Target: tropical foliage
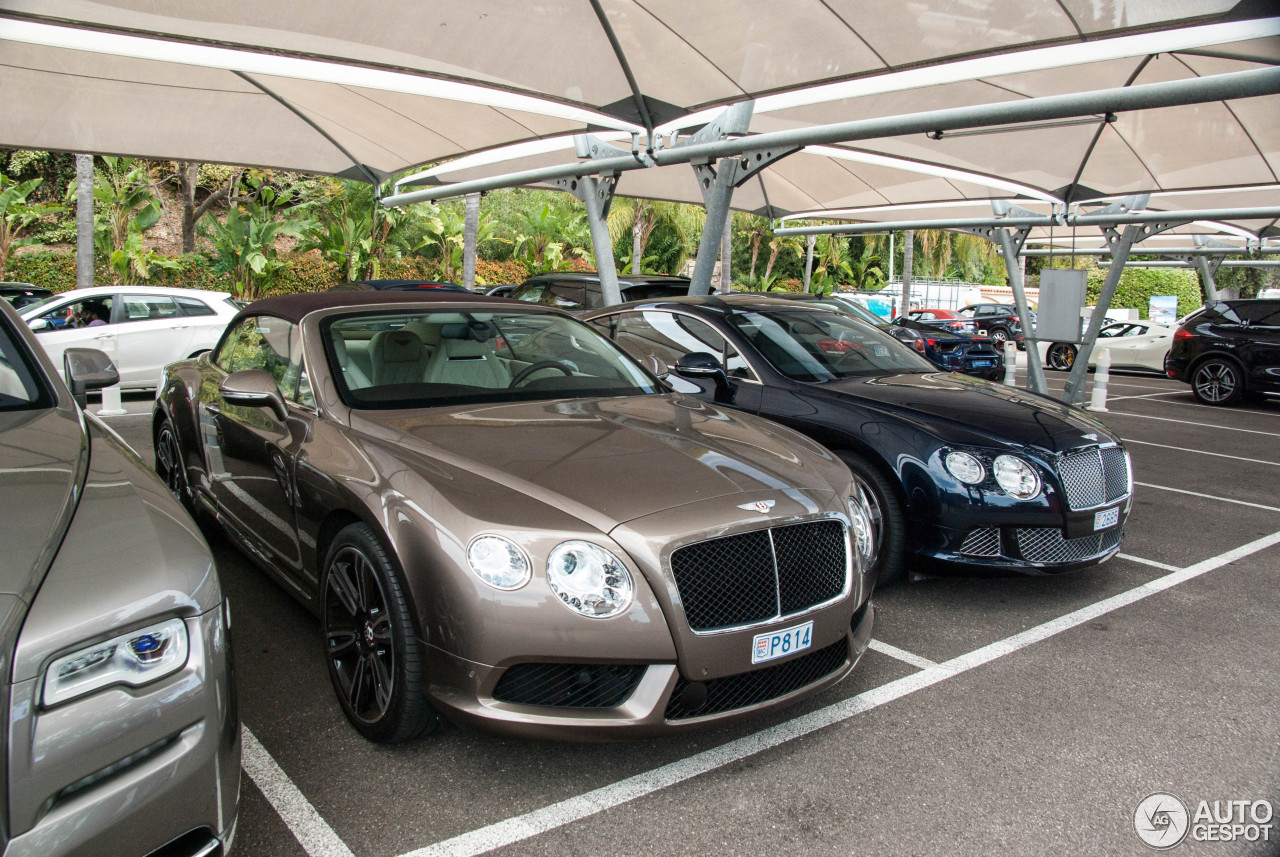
(18, 214)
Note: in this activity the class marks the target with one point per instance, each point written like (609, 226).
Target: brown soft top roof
(294, 307)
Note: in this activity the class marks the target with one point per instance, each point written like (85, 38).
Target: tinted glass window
(824, 346)
(1262, 314)
(144, 307)
(19, 388)
(191, 306)
(90, 312)
(561, 295)
(264, 343)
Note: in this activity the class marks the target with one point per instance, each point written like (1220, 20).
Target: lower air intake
(569, 685)
(752, 688)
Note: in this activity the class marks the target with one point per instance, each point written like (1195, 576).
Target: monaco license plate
(1106, 518)
(777, 644)
(983, 364)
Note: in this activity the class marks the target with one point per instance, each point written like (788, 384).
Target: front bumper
(662, 700)
(127, 771)
(1020, 550)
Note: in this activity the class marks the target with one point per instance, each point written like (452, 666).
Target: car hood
(611, 460)
(43, 457)
(964, 410)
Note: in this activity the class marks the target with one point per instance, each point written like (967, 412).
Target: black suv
(1228, 350)
(998, 321)
(577, 292)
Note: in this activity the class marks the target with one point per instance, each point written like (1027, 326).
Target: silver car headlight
(1016, 477)
(864, 531)
(137, 658)
(498, 562)
(589, 579)
(965, 467)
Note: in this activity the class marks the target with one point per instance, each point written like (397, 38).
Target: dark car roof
(294, 307)
(399, 285)
(624, 280)
(712, 303)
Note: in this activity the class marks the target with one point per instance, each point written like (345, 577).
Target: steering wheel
(535, 367)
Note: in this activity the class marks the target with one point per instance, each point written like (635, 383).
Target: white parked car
(1140, 345)
(142, 328)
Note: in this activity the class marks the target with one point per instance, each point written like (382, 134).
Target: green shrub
(490, 273)
(1137, 285)
(48, 269)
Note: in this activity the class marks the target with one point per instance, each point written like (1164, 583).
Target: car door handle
(103, 336)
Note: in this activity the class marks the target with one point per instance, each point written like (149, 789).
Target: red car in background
(944, 319)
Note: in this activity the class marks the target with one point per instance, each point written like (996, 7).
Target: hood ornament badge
(1090, 436)
(761, 506)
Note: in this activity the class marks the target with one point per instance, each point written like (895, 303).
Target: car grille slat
(753, 688)
(984, 541)
(1047, 544)
(569, 685)
(759, 575)
(1094, 476)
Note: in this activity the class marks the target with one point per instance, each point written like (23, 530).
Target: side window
(91, 312)
(1263, 314)
(191, 306)
(605, 326)
(565, 296)
(534, 293)
(263, 343)
(144, 307)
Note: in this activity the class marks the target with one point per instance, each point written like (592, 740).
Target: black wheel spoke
(341, 643)
(342, 587)
(360, 634)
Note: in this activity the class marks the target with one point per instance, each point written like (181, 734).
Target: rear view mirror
(699, 364)
(254, 388)
(87, 369)
(38, 324)
(656, 366)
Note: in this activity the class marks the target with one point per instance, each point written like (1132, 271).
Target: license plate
(1106, 518)
(983, 364)
(776, 644)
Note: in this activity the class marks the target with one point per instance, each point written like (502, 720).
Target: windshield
(816, 345)
(388, 360)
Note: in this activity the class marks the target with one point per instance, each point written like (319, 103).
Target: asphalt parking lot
(1019, 716)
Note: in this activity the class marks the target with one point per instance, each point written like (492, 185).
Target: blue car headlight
(136, 658)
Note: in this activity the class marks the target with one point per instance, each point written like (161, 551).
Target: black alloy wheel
(999, 336)
(169, 465)
(373, 654)
(1060, 356)
(887, 519)
(1217, 382)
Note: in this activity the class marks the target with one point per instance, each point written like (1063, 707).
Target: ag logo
(1161, 821)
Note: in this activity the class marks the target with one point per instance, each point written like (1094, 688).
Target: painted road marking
(310, 829)
(1208, 496)
(1189, 423)
(1202, 452)
(901, 654)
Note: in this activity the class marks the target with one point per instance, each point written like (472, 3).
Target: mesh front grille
(1047, 544)
(1094, 477)
(569, 685)
(811, 563)
(734, 581)
(752, 688)
(982, 542)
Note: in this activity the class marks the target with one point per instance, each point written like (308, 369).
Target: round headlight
(589, 579)
(965, 467)
(864, 531)
(1016, 477)
(498, 562)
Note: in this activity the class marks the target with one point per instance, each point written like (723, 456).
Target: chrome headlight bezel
(862, 532)
(1016, 477)
(605, 591)
(483, 561)
(962, 466)
(135, 659)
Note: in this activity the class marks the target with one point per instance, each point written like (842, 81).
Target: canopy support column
(596, 193)
(1207, 268)
(1011, 242)
(1120, 246)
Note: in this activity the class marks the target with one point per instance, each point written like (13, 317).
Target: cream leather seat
(463, 359)
(351, 372)
(397, 357)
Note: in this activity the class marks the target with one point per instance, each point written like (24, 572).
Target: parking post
(1098, 401)
(1011, 363)
(112, 404)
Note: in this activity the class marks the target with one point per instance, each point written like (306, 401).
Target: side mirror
(656, 365)
(87, 369)
(699, 364)
(38, 324)
(254, 388)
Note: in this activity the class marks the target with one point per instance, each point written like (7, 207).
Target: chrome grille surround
(1047, 544)
(1094, 477)
(751, 578)
(984, 541)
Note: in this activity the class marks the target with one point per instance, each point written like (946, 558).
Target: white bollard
(1098, 401)
(112, 406)
(1011, 363)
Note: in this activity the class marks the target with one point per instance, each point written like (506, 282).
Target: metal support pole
(469, 235)
(1206, 270)
(808, 261)
(84, 221)
(717, 193)
(1010, 243)
(596, 194)
(1120, 246)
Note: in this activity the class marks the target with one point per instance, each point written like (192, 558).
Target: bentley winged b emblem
(761, 506)
(1090, 436)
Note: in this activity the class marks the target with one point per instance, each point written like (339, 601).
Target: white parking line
(1189, 423)
(1128, 441)
(1143, 396)
(522, 827)
(1218, 408)
(902, 655)
(1208, 496)
(1151, 562)
(310, 829)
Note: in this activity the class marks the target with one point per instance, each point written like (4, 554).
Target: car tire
(169, 466)
(889, 563)
(999, 336)
(373, 655)
(1060, 356)
(1217, 381)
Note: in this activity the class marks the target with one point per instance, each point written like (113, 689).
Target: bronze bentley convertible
(529, 544)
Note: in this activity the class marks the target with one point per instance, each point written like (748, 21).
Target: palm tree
(642, 216)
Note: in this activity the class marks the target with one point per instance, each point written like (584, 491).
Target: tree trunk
(188, 181)
(808, 262)
(470, 236)
(637, 244)
(84, 221)
(726, 251)
(908, 258)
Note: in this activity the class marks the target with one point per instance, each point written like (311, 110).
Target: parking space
(1009, 715)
